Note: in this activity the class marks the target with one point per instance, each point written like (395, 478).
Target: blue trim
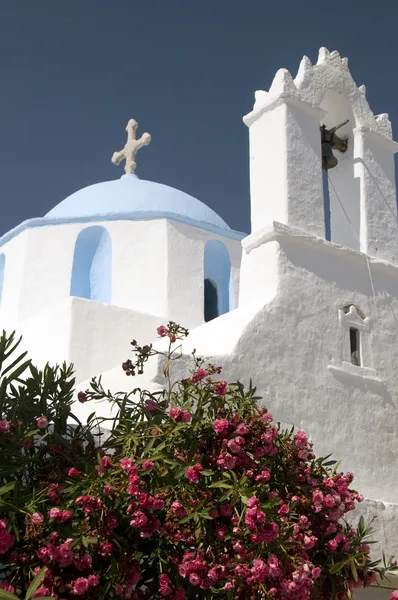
(217, 268)
(131, 216)
(92, 265)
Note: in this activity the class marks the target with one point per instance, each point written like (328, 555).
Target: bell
(329, 141)
(328, 158)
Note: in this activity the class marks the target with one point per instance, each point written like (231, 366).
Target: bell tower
(287, 130)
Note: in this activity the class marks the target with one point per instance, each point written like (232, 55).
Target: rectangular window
(355, 347)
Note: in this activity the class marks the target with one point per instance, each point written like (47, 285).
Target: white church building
(306, 304)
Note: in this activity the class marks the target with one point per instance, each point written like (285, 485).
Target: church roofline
(128, 216)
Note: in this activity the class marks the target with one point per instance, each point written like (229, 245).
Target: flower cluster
(195, 494)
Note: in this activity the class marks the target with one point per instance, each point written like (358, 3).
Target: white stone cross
(131, 148)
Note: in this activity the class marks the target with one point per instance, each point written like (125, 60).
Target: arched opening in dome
(211, 300)
(92, 265)
(2, 270)
(218, 288)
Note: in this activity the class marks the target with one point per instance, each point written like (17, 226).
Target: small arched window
(92, 265)
(2, 269)
(355, 323)
(218, 285)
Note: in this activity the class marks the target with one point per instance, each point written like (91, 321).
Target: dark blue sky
(72, 72)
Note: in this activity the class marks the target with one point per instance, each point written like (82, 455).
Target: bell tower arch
(286, 158)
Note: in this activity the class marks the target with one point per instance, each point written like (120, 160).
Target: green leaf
(354, 570)
(221, 484)
(35, 583)
(7, 488)
(7, 596)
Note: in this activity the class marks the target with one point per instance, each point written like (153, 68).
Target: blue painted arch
(92, 265)
(218, 279)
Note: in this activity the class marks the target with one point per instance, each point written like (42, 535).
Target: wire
(360, 246)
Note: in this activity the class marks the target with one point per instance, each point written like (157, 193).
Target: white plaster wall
(46, 335)
(94, 337)
(259, 275)
(285, 164)
(157, 268)
(16, 257)
(291, 343)
(100, 335)
(47, 268)
(140, 266)
(185, 287)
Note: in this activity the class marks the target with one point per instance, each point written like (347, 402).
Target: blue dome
(139, 198)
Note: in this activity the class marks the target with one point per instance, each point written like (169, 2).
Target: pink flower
(220, 388)
(41, 592)
(106, 548)
(185, 416)
(106, 463)
(93, 580)
(4, 585)
(139, 519)
(37, 518)
(194, 579)
(4, 426)
(175, 413)
(162, 331)
(227, 461)
(165, 588)
(42, 422)
(317, 497)
(6, 541)
(82, 397)
(74, 472)
(284, 509)
(193, 473)
(252, 502)
(151, 407)
(316, 571)
(234, 447)
(60, 516)
(178, 509)
(332, 545)
(64, 555)
(84, 563)
(300, 439)
(242, 429)
(158, 504)
(107, 490)
(221, 426)
(264, 476)
(126, 464)
(221, 532)
(198, 375)
(80, 586)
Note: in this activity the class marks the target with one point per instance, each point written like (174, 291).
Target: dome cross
(131, 148)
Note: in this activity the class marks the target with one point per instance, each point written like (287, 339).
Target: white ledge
(363, 373)
(279, 232)
(274, 101)
(377, 137)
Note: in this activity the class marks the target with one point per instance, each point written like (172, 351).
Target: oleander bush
(193, 493)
